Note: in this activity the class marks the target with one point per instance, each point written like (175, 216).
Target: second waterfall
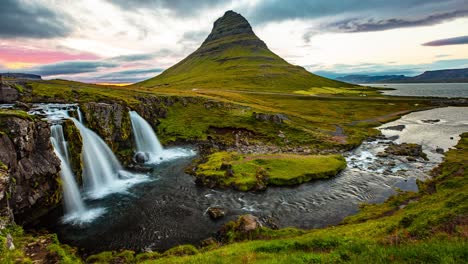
(148, 147)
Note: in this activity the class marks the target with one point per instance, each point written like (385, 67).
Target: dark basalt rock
(33, 168)
(431, 121)
(232, 24)
(396, 128)
(405, 149)
(216, 212)
(141, 157)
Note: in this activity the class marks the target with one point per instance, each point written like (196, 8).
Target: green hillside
(233, 58)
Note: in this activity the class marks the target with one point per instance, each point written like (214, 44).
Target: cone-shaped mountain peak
(232, 57)
(231, 25)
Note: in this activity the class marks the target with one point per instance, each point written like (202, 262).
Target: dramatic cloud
(128, 76)
(32, 20)
(194, 36)
(448, 41)
(126, 41)
(70, 67)
(367, 25)
(179, 7)
(276, 10)
(136, 57)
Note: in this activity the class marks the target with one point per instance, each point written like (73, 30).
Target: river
(170, 209)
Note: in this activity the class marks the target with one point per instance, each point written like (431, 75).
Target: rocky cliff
(30, 181)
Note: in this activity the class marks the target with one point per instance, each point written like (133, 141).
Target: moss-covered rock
(75, 144)
(255, 172)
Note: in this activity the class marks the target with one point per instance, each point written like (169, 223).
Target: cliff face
(110, 121)
(30, 182)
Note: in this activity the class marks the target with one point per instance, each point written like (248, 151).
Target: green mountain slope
(233, 58)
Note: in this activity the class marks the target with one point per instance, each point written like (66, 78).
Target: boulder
(275, 118)
(406, 149)
(141, 157)
(216, 212)
(248, 223)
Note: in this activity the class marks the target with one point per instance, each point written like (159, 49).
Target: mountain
(24, 76)
(356, 78)
(439, 76)
(232, 57)
(451, 75)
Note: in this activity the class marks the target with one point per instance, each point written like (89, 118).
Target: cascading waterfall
(101, 168)
(75, 209)
(145, 138)
(148, 145)
(80, 116)
(74, 204)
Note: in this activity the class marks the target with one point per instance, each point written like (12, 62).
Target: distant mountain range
(24, 76)
(440, 76)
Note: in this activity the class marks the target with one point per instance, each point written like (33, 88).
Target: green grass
(69, 91)
(15, 113)
(46, 245)
(257, 171)
(19, 88)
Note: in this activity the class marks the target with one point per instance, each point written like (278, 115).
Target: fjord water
(449, 90)
(171, 210)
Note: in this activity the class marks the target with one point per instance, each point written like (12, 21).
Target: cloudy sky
(120, 41)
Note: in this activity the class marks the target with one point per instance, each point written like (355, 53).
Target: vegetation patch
(255, 172)
(15, 113)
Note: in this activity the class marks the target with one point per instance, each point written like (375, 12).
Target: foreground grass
(37, 248)
(246, 172)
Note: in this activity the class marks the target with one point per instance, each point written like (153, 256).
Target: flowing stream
(171, 210)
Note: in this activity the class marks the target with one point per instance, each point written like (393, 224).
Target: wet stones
(216, 213)
(247, 223)
(396, 128)
(413, 151)
(141, 157)
(431, 121)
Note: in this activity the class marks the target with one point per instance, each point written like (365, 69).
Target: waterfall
(145, 138)
(74, 205)
(149, 149)
(100, 166)
(80, 116)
